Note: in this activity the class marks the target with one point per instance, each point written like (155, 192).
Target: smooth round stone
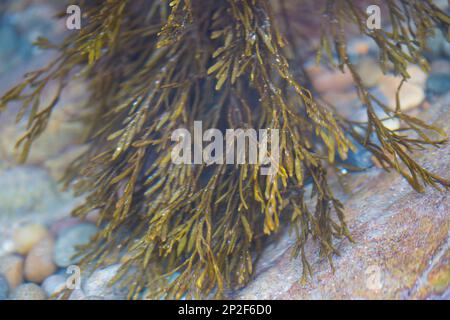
(418, 76)
(67, 242)
(332, 81)
(411, 95)
(369, 71)
(11, 267)
(98, 284)
(4, 288)
(438, 83)
(54, 284)
(28, 236)
(39, 261)
(29, 291)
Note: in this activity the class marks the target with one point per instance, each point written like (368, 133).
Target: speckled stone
(98, 284)
(66, 243)
(29, 291)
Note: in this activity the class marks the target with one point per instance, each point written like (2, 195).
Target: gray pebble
(29, 291)
(98, 284)
(67, 242)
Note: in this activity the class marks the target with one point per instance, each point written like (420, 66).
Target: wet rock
(67, 242)
(435, 43)
(57, 136)
(361, 158)
(411, 95)
(29, 291)
(332, 81)
(98, 284)
(401, 240)
(39, 261)
(4, 288)
(418, 76)
(28, 236)
(11, 267)
(438, 84)
(435, 281)
(62, 134)
(54, 284)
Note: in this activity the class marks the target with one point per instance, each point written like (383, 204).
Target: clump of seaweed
(156, 66)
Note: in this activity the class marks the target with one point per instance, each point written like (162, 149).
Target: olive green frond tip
(156, 66)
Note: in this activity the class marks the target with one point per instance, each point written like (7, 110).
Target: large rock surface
(401, 248)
